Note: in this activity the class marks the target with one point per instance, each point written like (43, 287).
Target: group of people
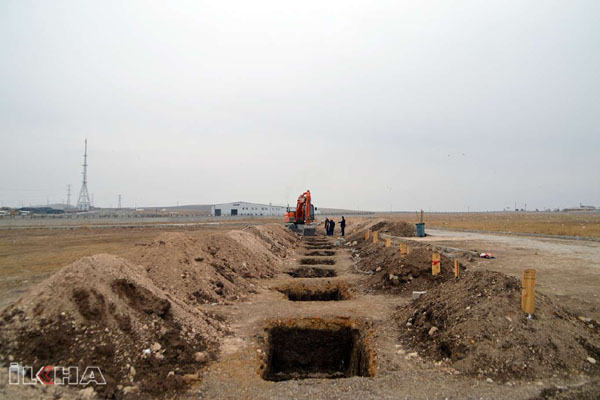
(330, 226)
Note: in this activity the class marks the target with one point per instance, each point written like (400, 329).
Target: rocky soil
(475, 323)
(392, 272)
(358, 228)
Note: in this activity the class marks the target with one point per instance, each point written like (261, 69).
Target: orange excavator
(301, 220)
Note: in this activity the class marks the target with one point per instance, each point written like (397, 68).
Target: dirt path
(568, 269)
(400, 374)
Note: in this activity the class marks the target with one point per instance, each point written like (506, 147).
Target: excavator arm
(304, 209)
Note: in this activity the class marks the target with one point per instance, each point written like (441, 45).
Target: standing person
(327, 226)
(343, 225)
(331, 227)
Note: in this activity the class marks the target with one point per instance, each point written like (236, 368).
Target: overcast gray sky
(439, 105)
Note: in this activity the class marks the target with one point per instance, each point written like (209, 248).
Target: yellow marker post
(388, 242)
(456, 268)
(407, 249)
(367, 234)
(403, 249)
(435, 264)
(375, 236)
(528, 295)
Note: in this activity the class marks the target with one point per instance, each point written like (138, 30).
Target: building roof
(249, 202)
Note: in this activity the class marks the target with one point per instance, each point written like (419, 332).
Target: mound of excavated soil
(178, 263)
(278, 239)
(395, 228)
(357, 229)
(476, 325)
(396, 273)
(104, 311)
(217, 268)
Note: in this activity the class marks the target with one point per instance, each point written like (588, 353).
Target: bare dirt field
(249, 310)
(29, 255)
(567, 269)
(582, 224)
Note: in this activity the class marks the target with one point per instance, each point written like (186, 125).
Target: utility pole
(119, 202)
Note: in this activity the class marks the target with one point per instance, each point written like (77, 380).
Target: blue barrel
(420, 229)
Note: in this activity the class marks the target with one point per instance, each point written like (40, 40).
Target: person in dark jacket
(331, 227)
(327, 226)
(343, 225)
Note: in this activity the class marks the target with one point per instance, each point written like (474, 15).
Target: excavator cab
(290, 216)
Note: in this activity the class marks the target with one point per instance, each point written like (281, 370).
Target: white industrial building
(243, 208)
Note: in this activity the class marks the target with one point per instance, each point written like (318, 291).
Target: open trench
(314, 325)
